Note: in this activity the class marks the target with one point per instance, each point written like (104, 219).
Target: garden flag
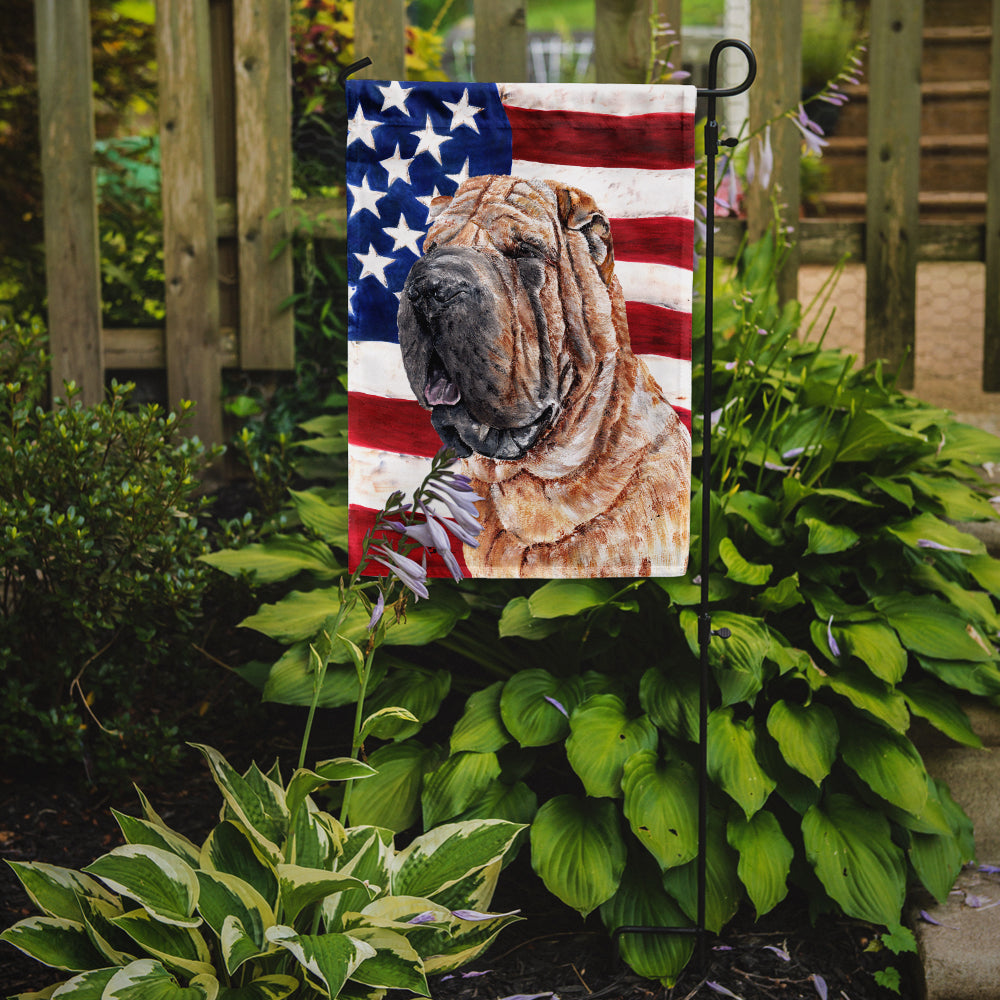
(520, 273)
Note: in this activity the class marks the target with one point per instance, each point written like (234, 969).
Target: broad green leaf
(928, 528)
(931, 628)
(327, 520)
(807, 736)
(180, 948)
(758, 511)
(262, 812)
(385, 723)
(783, 595)
(870, 436)
(301, 887)
(456, 785)
(723, 889)
(937, 860)
(418, 690)
(876, 646)
(828, 539)
(481, 728)
(147, 979)
(976, 678)
(965, 443)
(274, 987)
(578, 851)
(765, 858)
(957, 501)
(54, 941)
(366, 856)
(661, 799)
(640, 901)
(866, 692)
(163, 884)
(225, 897)
(560, 598)
(941, 709)
(279, 558)
(56, 891)
(98, 916)
(888, 763)
(230, 849)
(238, 944)
(516, 803)
(330, 959)
(732, 760)
(292, 681)
(986, 571)
(976, 605)
(395, 964)
(142, 831)
(738, 661)
(441, 857)
(516, 620)
(530, 706)
(671, 699)
(466, 941)
(893, 488)
(391, 798)
(602, 738)
(850, 848)
(739, 569)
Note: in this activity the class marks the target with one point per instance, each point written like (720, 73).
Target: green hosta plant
(279, 900)
(855, 605)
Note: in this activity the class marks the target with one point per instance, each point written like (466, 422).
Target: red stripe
(654, 240)
(585, 139)
(402, 426)
(657, 330)
(685, 416)
(362, 519)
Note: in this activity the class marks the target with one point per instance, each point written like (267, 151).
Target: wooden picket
(226, 160)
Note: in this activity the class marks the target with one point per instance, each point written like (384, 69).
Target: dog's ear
(438, 204)
(579, 212)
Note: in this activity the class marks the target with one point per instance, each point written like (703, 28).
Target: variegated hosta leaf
(274, 987)
(116, 947)
(888, 763)
(86, 986)
(391, 799)
(765, 858)
(367, 853)
(476, 890)
(535, 706)
(54, 941)
(732, 760)
(56, 891)
(230, 849)
(602, 737)
(147, 979)
(807, 736)
(315, 838)
(850, 847)
(661, 799)
(395, 964)
(300, 887)
(441, 857)
(642, 902)
(456, 784)
(304, 782)
(141, 831)
(578, 851)
(329, 959)
(481, 727)
(225, 897)
(466, 941)
(158, 880)
(256, 801)
(177, 947)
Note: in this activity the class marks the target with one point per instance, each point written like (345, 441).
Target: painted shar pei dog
(513, 334)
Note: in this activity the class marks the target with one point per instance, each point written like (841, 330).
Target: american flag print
(631, 148)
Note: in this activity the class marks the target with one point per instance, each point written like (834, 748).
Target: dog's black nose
(436, 286)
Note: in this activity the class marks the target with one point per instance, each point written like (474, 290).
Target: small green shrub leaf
(732, 760)
(535, 706)
(850, 848)
(385, 723)
(55, 941)
(329, 958)
(807, 736)
(577, 850)
(481, 727)
(876, 646)
(304, 782)
(765, 858)
(661, 799)
(601, 739)
(456, 785)
(783, 595)
(417, 690)
(888, 763)
(866, 692)
(560, 598)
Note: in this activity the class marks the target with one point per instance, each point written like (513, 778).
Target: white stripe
(673, 377)
(658, 284)
(621, 192)
(373, 475)
(376, 367)
(606, 99)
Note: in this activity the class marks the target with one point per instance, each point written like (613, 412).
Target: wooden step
(956, 53)
(958, 206)
(940, 13)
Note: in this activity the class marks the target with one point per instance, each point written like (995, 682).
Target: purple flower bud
(927, 543)
(834, 648)
(427, 917)
(552, 701)
(476, 915)
(377, 611)
(820, 983)
(411, 574)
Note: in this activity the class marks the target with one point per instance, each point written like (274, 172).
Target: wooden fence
(226, 160)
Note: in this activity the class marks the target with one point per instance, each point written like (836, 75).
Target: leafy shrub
(99, 539)
(854, 603)
(279, 899)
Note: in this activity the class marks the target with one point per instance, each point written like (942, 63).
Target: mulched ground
(550, 953)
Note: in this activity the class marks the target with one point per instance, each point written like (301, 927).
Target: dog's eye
(430, 247)
(530, 250)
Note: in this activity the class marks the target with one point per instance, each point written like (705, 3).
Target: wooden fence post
(501, 41)
(622, 40)
(72, 255)
(380, 34)
(190, 251)
(991, 333)
(776, 35)
(893, 183)
(262, 61)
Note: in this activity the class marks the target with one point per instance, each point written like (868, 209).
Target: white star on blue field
(406, 145)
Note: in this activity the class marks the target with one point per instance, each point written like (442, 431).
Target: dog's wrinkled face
(493, 327)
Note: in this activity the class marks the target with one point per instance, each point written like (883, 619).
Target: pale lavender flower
(811, 132)
(727, 198)
(460, 501)
(761, 163)
(719, 988)
(377, 611)
(412, 574)
(927, 543)
(820, 983)
(558, 705)
(427, 917)
(780, 952)
(431, 535)
(475, 915)
(834, 648)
